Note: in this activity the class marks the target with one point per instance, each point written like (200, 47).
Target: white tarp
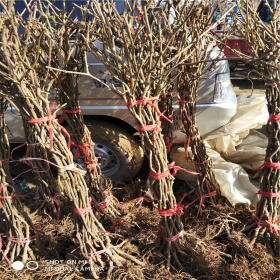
(236, 142)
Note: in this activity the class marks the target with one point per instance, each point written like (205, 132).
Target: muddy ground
(214, 244)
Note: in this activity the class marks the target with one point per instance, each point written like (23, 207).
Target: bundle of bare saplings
(264, 42)
(144, 49)
(151, 48)
(26, 82)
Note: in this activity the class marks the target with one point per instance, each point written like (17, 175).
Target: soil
(214, 244)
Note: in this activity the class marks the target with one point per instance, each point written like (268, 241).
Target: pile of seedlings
(158, 51)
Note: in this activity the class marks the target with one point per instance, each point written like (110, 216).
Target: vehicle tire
(120, 156)
(232, 65)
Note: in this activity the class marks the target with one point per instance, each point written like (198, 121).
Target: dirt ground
(214, 244)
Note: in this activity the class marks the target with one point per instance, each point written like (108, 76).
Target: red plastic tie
(51, 118)
(105, 202)
(201, 199)
(3, 254)
(176, 209)
(270, 84)
(169, 142)
(158, 232)
(61, 118)
(83, 211)
(143, 102)
(1, 115)
(268, 194)
(166, 173)
(117, 222)
(274, 118)
(174, 238)
(91, 255)
(152, 127)
(93, 163)
(272, 165)
(56, 204)
(203, 161)
(70, 167)
(139, 200)
(22, 240)
(5, 197)
(132, 32)
(148, 100)
(176, 168)
(268, 223)
(159, 176)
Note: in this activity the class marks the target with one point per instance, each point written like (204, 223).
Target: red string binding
(166, 173)
(148, 100)
(61, 118)
(1, 115)
(268, 223)
(83, 211)
(203, 161)
(159, 176)
(51, 118)
(268, 194)
(274, 118)
(3, 254)
(174, 238)
(93, 163)
(272, 165)
(104, 203)
(56, 205)
(176, 168)
(158, 232)
(152, 127)
(117, 222)
(201, 199)
(270, 84)
(5, 197)
(176, 209)
(140, 200)
(91, 255)
(22, 240)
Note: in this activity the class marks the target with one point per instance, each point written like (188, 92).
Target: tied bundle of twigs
(140, 49)
(20, 85)
(264, 41)
(191, 74)
(18, 227)
(24, 87)
(67, 53)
